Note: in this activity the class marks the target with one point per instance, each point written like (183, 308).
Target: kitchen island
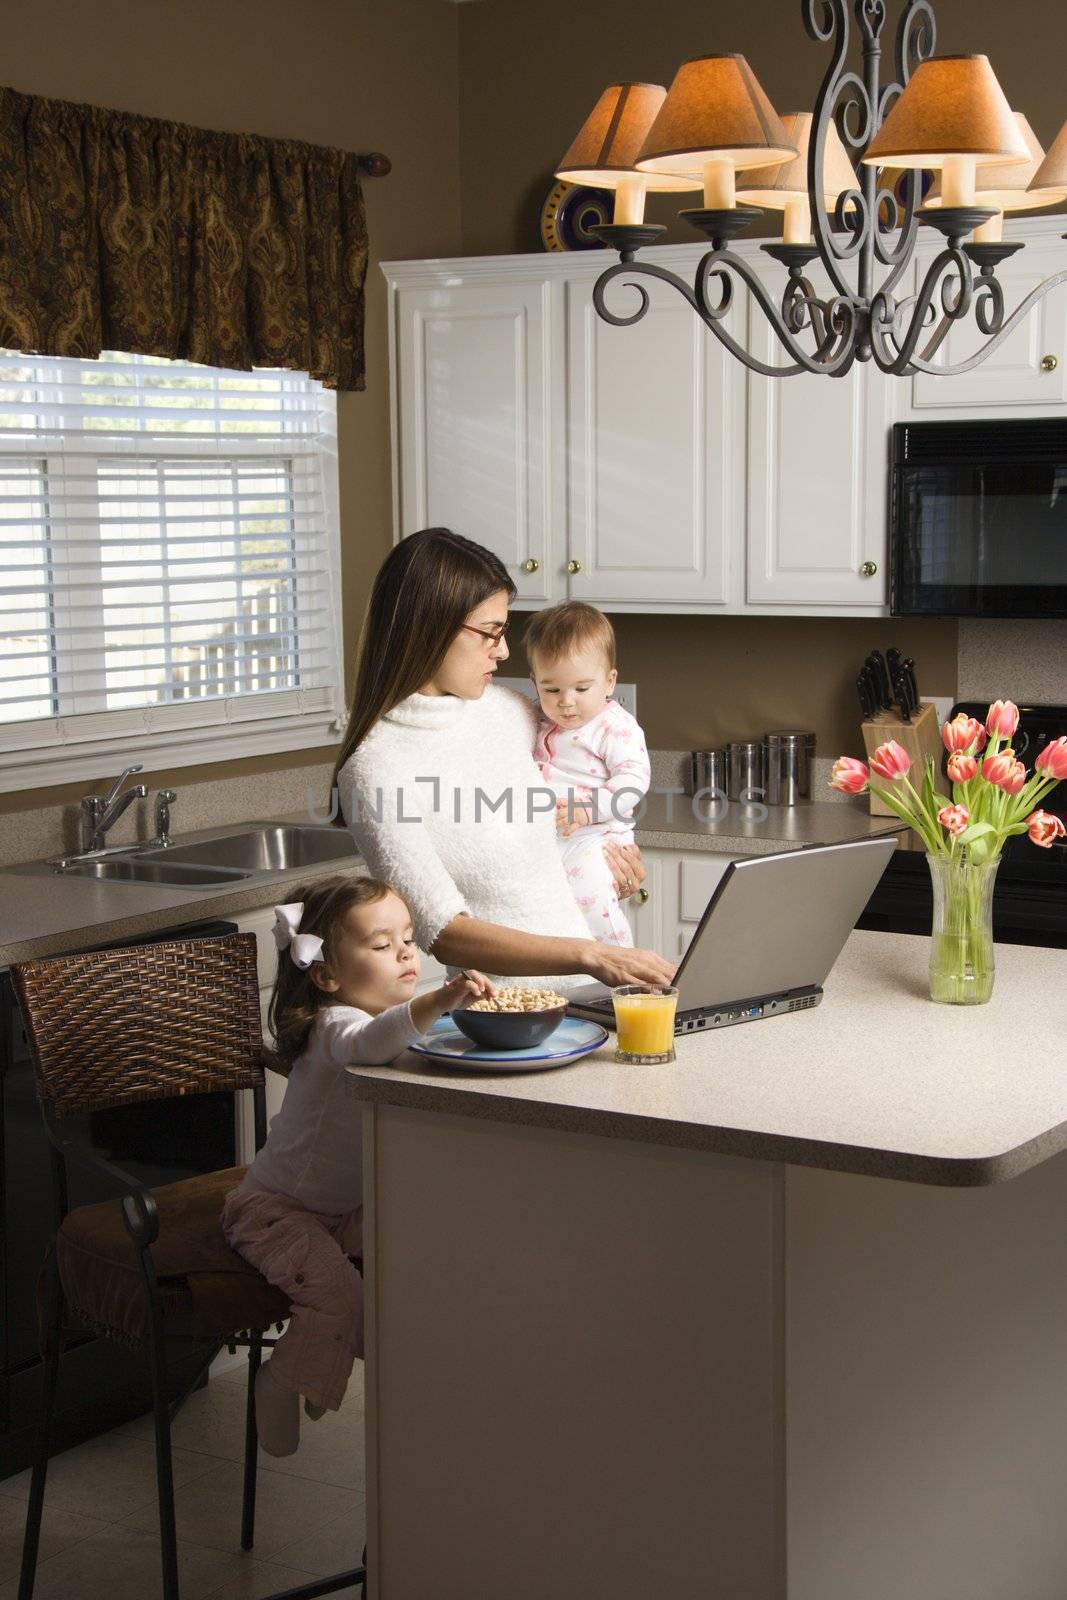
(781, 1321)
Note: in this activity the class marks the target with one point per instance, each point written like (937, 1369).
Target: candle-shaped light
(952, 115)
(714, 119)
(785, 187)
(603, 152)
(1012, 186)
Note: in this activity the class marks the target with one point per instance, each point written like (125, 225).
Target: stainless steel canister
(789, 760)
(707, 770)
(745, 764)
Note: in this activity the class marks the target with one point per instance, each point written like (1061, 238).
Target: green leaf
(977, 830)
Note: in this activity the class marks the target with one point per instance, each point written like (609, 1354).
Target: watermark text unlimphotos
(626, 807)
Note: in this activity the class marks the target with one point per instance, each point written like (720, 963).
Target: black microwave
(978, 519)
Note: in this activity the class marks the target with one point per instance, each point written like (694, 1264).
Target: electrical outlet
(942, 704)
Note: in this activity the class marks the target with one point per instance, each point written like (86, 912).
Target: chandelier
(715, 130)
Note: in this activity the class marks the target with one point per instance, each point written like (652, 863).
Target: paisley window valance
(122, 232)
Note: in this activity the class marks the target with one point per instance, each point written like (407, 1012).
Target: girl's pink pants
(307, 1256)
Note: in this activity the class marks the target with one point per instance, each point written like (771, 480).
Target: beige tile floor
(99, 1536)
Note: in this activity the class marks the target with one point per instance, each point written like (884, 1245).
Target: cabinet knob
(1049, 363)
(573, 567)
(532, 565)
(869, 569)
(640, 897)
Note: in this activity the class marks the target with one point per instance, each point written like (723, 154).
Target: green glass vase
(962, 964)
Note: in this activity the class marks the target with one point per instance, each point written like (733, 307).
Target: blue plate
(573, 1039)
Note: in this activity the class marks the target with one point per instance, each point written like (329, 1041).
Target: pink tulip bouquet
(993, 798)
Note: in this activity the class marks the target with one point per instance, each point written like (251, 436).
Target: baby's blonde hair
(560, 630)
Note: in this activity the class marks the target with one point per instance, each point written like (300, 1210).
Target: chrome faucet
(164, 800)
(103, 810)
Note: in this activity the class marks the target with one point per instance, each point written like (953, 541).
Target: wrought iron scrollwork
(872, 228)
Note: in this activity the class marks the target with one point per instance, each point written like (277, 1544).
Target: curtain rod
(374, 164)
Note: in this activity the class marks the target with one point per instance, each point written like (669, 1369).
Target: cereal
(510, 998)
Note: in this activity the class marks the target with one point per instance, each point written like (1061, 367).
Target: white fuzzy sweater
(441, 843)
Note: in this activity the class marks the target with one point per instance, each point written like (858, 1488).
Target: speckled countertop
(46, 914)
(876, 1080)
(670, 823)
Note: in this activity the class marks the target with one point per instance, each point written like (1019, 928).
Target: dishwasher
(100, 1385)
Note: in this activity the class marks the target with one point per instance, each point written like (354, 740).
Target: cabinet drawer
(697, 880)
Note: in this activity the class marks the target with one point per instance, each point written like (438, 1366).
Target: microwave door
(980, 538)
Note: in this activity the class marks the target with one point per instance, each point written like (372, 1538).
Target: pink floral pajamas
(307, 1256)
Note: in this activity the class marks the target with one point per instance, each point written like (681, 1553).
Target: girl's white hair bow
(304, 948)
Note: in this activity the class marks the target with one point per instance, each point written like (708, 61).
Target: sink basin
(136, 869)
(270, 848)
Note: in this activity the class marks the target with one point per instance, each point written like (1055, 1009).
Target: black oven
(1030, 893)
(978, 519)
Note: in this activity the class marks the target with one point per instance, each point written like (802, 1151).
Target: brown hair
(296, 998)
(426, 587)
(559, 630)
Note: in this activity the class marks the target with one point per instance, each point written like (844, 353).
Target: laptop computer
(769, 936)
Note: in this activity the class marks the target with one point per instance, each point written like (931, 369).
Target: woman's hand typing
(613, 964)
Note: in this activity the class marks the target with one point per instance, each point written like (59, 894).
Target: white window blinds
(168, 555)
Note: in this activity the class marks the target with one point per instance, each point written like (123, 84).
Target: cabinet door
(475, 377)
(1013, 374)
(654, 441)
(818, 473)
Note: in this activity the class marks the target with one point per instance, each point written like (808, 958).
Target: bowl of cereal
(514, 1019)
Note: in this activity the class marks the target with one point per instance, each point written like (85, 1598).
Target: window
(168, 564)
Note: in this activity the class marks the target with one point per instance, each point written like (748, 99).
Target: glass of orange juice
(644, 1022)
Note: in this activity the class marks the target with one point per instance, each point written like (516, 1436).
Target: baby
(590, 751)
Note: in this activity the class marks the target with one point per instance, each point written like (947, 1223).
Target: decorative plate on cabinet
(570, 211)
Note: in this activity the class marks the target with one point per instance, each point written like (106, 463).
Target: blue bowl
(509, 1030)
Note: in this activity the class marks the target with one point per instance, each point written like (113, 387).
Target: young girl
(590, 751)
(343, 995)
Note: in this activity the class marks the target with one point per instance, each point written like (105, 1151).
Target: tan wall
(349, 73)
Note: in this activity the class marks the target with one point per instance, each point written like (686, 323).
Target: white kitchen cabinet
(655, 454)
(818, 483)
(474, 361)
(1030, 367)
(680, 884)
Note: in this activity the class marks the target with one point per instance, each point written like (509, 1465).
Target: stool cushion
(200, 1277)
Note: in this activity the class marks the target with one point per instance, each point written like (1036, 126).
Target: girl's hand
(613, 964)
(627, 869)
(463, 988)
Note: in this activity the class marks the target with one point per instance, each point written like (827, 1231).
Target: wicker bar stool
(107, 1029)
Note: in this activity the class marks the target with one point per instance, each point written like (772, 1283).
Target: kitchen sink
(137, 869)
(273, 847)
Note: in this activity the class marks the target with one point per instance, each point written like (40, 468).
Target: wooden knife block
(921, 738)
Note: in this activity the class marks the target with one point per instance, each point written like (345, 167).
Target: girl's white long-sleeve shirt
(314, 1149)
(445, 802)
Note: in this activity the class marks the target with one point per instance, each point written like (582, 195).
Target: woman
(437, 782)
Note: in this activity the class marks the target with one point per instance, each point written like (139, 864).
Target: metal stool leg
(248, 1505)
(168, 1537)
(53, 1350)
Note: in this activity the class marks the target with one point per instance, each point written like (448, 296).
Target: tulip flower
(891, 761)
(961, 767)
(1052, 762)
(963, 732)
(849, 775)
(998, 769)
(1044, 828)
(954, 819)
(1015, 780)
(1002, 719)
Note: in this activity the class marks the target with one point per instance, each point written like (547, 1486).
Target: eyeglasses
(491, 636)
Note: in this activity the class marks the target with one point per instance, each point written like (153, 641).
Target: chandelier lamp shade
(831, 173)
(605, 150)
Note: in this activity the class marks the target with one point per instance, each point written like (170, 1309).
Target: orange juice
(644, 1021)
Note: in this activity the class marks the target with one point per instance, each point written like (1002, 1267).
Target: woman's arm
(470, 942)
